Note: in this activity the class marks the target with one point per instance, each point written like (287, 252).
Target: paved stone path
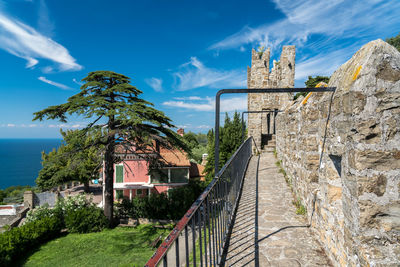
(283, 237)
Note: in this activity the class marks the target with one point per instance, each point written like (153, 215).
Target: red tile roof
(173, 157)
(196, 170)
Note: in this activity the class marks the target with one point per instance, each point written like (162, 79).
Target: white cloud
(330, 30)
(203, 127)
(189, 98)
(69, 126)
(208, 104)
(25, 42)
(194, 74)
(77, 82)
(10, 125)
(331, 18)
(59, 85)
(45, 25)
(155, 83)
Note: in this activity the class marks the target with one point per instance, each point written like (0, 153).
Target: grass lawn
(116, 247)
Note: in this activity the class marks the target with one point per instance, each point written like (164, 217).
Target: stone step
(271, 143)
(268, 149)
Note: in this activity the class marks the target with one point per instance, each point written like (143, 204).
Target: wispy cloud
(332, 18)
(190, 98)
(155, 83)
(208, 104)
(330, 30)
(25, 42)
(45, 25)
(194, 74)
(77, 82)
(62, 125)
(56, 84)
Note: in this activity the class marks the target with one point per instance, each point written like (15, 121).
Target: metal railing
(199, 237)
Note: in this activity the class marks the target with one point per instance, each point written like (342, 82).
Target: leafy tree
(231, 137)
(209, 168)
(201, 139)
(197, 153)
(197, 143)
(311, 83)
(230, 140)
(191, 140)
(71, 161)
(113, 105)
(395, 41)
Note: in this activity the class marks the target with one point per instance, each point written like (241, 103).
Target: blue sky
(179, 53)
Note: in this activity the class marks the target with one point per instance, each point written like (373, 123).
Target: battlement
(281, 74)
(259, 75)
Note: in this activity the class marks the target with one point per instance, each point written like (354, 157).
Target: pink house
(133, 178)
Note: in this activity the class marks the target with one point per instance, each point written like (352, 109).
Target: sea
(20, 160)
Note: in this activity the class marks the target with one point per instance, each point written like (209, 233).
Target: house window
(119, 194)
(159, 176)
(119, 173)
(139, 192)
(179, 175)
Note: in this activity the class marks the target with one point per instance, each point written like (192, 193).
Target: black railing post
(216, 154)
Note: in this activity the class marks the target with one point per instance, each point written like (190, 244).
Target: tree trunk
(86, 187)
(108, 181)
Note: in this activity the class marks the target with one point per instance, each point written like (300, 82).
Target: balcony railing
(200, 237)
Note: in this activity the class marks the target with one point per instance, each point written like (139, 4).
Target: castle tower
(261, 125)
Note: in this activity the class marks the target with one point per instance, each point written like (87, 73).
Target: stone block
(375, 184)
(334, 193)
(377, 160)
(366, 131)
(388, 101)
(391, 126)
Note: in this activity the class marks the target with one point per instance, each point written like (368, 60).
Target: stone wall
(341, 152)
(260, 76)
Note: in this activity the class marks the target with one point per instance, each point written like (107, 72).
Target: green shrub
(43, 212)
(85, 220)
(18, 240)
(161, 206)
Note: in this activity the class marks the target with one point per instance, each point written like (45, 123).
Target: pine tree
(230, 140)
(209, 168)
(113, 105)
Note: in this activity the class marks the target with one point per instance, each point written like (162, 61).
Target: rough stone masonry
(341, 152)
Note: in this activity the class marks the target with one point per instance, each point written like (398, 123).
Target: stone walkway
(283, 237)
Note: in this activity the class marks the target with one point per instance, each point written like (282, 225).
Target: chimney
(204, 159)
(180, 131)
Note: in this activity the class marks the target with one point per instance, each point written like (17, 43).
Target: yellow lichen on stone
(306, 98)
(357, 72)
(320, 84)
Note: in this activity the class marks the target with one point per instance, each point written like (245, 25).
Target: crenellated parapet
(259, 75)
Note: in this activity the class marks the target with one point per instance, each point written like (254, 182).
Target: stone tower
(260, 76)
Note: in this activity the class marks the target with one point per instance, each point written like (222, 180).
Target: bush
(85, 220)
(161, 206)
(74, 213)
(18, 240)
(43, 212)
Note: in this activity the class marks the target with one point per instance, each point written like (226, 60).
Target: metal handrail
(210, 216)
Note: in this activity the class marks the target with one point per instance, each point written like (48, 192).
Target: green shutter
(119, 194)
(119, 175)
